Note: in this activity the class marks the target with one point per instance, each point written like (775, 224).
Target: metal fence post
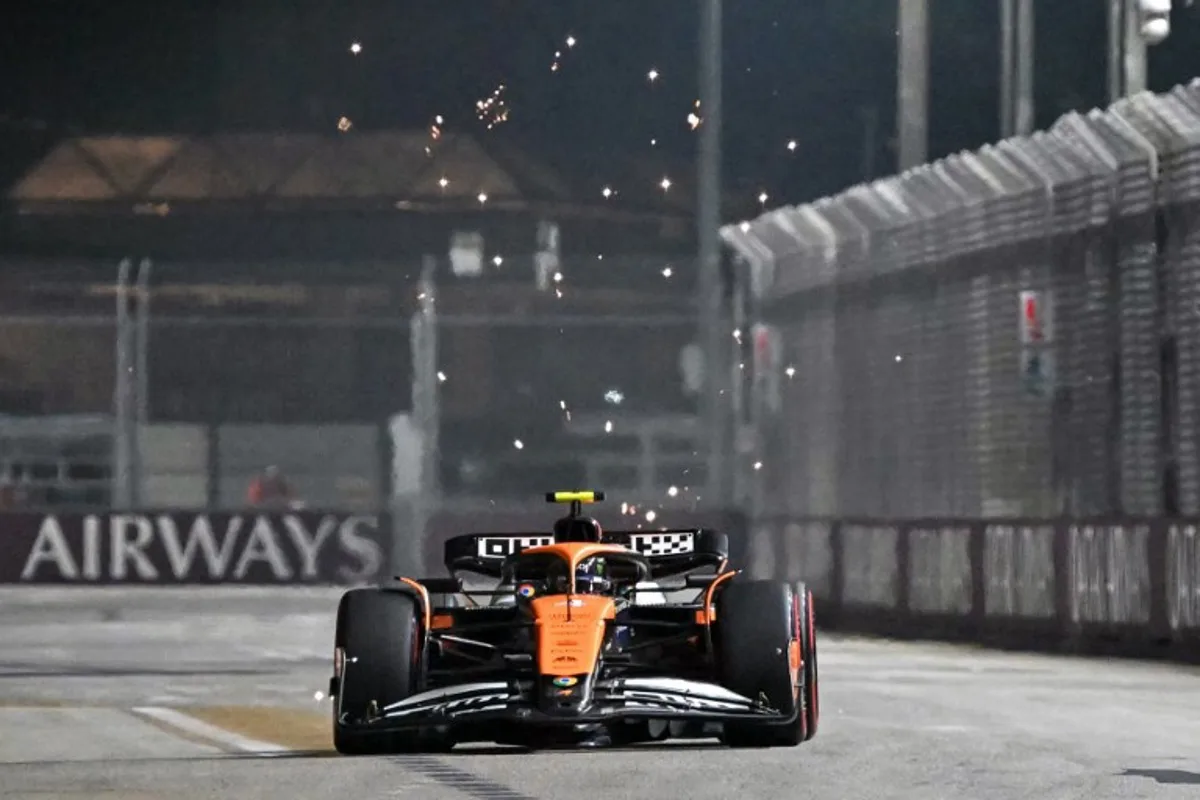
(426, 417)
(142, 376)
(712, 306)
(123, 409)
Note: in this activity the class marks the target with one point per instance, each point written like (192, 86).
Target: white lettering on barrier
(180, 557)
(261, 547)
(1110, 574)
(871, 572)
(293, 553)
(122, 550)
(309, 547)
(1019, 571)
(51, 546)
(91, 549)
(353, 543)
(1183, 570)
(940, 570)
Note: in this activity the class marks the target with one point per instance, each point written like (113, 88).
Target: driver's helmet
(578, 529)
(591, 577)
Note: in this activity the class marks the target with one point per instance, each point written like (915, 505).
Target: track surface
(899, 721)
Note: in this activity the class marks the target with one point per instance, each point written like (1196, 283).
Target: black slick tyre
(760, 639)
(808, 649)
(378, 633)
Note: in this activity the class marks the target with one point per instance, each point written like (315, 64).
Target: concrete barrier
(1119, 586)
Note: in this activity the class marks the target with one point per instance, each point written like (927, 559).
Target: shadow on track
(1180, 777)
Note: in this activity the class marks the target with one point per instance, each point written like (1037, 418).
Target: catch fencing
(408, 388)
(975, 397)
(1010, 332)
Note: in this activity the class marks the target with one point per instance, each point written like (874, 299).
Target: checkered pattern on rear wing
(649, 543)
(663, 543)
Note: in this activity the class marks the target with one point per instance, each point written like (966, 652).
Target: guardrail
(1123, 586)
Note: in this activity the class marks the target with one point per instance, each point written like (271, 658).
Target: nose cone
(565, 695)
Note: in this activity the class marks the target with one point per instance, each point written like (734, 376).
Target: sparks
(791, 146)
(762, 198)
(667, 272)
(517, 443)
(694, 121)
(482, 198)
(344, 124)
(607, 192)
(493, 109)
(355, 48)
(652, 75)
(443, 182)
(571, 41)
(498, 260)
(665, 184)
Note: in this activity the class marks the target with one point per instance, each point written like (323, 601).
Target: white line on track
(189, 724)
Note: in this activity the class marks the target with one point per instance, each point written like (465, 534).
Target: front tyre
(379, 638)
(762, 652)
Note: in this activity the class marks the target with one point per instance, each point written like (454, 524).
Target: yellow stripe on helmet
(574, 497)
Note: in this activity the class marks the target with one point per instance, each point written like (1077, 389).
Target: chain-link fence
(1010, 332)
(399, 385)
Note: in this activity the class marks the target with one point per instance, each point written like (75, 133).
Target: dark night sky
(800, 70)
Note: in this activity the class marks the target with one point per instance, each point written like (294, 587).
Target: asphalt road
(207, 694)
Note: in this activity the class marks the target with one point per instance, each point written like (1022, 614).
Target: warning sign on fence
(1036, 332)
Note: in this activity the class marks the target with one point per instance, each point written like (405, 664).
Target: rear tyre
(759, 640)
(808, 650)
(378, 633)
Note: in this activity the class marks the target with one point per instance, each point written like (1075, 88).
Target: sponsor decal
(189, 547)
(526, 590)
(565, 681)
(504, 546)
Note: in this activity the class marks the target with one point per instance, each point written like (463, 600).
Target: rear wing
(669, 552)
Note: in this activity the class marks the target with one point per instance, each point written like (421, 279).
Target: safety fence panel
(1007, 333)
(1124, 584)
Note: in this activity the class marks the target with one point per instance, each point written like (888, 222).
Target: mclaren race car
(585, 637)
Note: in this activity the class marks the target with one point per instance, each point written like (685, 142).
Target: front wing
(613, 700)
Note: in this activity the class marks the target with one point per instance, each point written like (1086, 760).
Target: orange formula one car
(586, 638)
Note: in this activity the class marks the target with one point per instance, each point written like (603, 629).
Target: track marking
(76, 734)
(470, 784)
(290, 728)
(175, 732)
(226, 739)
